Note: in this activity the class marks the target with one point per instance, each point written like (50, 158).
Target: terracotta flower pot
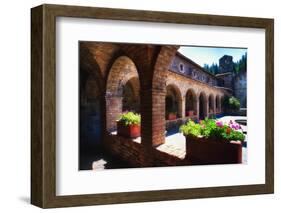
(213, 151)
(190, 113)
(130, 131)
(172, 116)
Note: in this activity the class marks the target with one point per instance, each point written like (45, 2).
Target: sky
(209, 55)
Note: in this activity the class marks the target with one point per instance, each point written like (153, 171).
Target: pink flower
(219, 123)
(235, 126)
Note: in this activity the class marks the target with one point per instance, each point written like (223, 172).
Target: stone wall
(240, 88)
(190, 69)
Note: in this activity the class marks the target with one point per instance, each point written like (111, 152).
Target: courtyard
(156, 89)
(174, 145)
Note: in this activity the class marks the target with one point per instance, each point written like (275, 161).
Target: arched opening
(218, 108)
(190, 103)
(172, 102)
(211, 102)
(90, 141)
(131, 97)
(202, 106)
(222, 103)
(122, 90)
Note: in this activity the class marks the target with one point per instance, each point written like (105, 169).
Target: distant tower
(225, 74)
(226, 64)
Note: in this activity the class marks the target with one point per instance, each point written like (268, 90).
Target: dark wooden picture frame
(43, 105)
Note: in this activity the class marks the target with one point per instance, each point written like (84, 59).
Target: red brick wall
(162, 64)
(135, 153)
(113, 111)
(125, 150)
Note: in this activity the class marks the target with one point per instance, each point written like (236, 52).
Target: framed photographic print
(136, 106)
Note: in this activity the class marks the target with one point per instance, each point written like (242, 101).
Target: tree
(241, 65)
(231, 103)
(213, 69)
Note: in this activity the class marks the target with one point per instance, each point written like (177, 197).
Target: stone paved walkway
(174, 145)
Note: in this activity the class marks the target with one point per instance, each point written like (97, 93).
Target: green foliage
(191, 128)
(231, 103)
(130, 118)
(239, 66)
(214, 68)
(211, 128)
(233, 136)
(234, 103)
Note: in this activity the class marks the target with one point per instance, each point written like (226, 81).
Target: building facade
(153, 80)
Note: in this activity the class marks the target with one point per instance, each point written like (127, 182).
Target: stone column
(197, 102)
(207, 107)
(182, 107)
(220, 107)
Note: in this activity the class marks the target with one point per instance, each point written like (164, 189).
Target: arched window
(181, 68)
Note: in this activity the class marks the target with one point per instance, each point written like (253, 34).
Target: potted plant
(128, 125)
(172, 115)
(190, 112)
(213, 142)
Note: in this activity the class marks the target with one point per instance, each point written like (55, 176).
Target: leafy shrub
(234, 103)
(211, 128)
(233, 136)
(231, 103)
(130, 118)
(191, 128)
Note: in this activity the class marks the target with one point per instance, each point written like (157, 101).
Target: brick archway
(222, 100)
(203, 105)
(211, 106)
(89, 67)
(90, 113)
(122, 70)
(218, 104)
(131, 95)
(191, 101)
(173, 100)
(90, 116)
